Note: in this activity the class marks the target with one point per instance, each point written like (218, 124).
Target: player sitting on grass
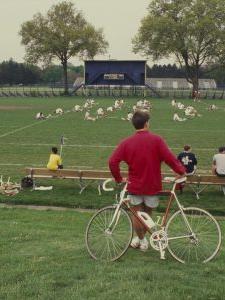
(143, 152)
(40, 116)
(176, 118)
(55, 161)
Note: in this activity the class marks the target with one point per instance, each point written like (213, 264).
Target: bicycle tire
(188, 249)
(108, 247)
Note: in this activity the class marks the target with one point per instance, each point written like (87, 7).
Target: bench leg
(84, 186)
(197, 190)
(80, 185)
(82, 189)
(100, 189)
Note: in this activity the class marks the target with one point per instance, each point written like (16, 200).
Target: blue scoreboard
(115, 72)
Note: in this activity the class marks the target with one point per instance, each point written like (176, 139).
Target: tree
(12, 72)
(61, 34)
(52, 74)
(192, 31)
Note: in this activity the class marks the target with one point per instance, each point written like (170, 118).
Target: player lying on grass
(143, 152)
(177, 118)
(40, 116)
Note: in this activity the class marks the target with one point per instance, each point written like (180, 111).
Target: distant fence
(106, 91)
(138, 91)
(31, 91)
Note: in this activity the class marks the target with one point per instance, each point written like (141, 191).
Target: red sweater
(143, 152)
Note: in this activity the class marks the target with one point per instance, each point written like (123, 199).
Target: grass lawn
(43, 256)
(25, 142)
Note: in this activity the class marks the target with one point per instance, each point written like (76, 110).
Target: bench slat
(102, 175)
(42, 172)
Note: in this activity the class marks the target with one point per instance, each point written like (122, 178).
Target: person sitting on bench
(188, 160)
(218, 167)
(55, 161)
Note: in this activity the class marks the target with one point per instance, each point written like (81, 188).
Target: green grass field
(43, 256)
(26, 142)
(43, 253)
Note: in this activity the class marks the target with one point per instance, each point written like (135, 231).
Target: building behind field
(180, 83)
(131, 73)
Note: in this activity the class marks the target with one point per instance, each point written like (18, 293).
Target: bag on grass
(27, 182)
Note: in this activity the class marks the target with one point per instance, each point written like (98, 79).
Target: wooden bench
(85, 177)
(198, 182)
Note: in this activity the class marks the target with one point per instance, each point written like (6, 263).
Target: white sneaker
(135, 243)
(143, 244)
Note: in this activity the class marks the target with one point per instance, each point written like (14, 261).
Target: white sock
(144, 239)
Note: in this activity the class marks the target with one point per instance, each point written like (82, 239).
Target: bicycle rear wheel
(108, 243)
(199, 245)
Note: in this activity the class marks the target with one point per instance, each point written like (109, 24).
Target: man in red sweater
(143, 152)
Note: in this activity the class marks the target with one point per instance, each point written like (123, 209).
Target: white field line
(98, 146)
(22, 128)
(187, 130)
(28, 126)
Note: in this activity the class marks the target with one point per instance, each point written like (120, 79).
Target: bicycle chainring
(157, 237)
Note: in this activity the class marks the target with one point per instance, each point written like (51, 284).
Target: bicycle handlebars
(174, 180)
(167, 179)
(104, 185)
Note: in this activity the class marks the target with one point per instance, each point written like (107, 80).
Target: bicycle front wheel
(198, 243)
(105, 240)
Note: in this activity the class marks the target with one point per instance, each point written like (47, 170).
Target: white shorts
(150, 201)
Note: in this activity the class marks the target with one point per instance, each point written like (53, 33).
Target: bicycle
(191, 234)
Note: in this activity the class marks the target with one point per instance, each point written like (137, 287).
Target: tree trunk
(195, 92)
(64, 64)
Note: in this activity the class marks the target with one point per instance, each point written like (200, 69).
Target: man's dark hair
(54, 150)
(187, 147)
(221, 149)
(139, 119)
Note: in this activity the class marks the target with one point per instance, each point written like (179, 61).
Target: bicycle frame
(124, 202)
(111, 222)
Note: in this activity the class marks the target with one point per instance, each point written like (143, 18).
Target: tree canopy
(61, 34)
(192, 31)
(12, 72)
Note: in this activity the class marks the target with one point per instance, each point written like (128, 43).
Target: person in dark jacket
(188, 160)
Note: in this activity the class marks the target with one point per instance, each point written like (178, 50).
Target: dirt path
(45, 208)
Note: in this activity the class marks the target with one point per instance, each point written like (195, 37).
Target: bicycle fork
(114, 221)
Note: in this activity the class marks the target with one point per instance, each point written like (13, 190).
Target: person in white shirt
(177, 118)
(218, 167)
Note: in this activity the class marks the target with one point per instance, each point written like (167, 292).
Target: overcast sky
(119, 18)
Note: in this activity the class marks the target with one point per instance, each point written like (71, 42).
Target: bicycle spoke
(204, 242)
(106, 243)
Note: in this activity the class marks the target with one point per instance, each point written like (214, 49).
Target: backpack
(27, 182)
